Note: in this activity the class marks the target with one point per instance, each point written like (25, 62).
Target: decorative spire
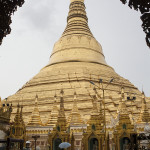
(77, 43)
(35, 117)
(17, 117)
(124, 122)
(122, 108)
(75, 117)
(54, 114)
(101, 109)
(21, 116)
(95, 123)
(144, 114)
(17, 129)
(61, 111)
(75, 107)
(77, 19)
(95, 110)
(61, 124)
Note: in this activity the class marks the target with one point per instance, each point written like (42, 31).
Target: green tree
(144, 7)
(7, 8)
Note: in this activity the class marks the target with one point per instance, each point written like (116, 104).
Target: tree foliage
(7, 8)
(144, 7)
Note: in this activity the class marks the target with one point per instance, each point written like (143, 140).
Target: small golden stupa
(77, 58)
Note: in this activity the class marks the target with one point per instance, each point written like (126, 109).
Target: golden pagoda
(54, 114)
(144, 114)
(77, 60)
(94, 137)
(60, 132)
(17, 128)
(124, 130)
(35, 119)
(75, 117)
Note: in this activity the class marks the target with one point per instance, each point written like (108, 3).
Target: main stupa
(77, 58)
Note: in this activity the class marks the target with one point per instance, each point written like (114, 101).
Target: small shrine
(60, 132)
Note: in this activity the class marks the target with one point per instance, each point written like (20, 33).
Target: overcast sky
(39, 24)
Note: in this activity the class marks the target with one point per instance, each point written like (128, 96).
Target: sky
(39, 24)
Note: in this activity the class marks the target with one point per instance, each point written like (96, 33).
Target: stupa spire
(17, 128)
(122, 108)
(77, 21)
(61, 111)
(75, 117)
(54, 114)
(61, 124)
(96, 96)
(17, 117)
(124, 123)
(77, 43)
(144, 114)
(35, 117)
(95, 110)
(75, 107)
(21, 116)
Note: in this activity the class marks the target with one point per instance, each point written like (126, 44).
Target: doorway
(56, 144)
(93, 144)
(125, 143)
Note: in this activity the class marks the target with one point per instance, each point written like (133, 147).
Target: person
(126, 145)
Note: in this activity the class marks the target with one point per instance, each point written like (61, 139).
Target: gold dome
(76, 59)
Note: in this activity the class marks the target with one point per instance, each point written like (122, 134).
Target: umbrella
(64, 145)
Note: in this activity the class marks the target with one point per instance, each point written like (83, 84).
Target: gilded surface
(76, 59)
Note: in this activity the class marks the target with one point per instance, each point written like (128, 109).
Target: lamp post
(103, 91)
(35, 137)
